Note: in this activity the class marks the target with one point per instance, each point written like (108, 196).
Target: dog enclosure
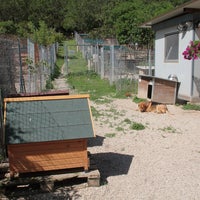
(157, 89)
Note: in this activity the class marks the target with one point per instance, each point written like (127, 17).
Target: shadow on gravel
(112, 164)
(96, 141)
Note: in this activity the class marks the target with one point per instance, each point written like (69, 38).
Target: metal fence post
(102, 62)
(20, 68)
(65, 70)
(149, 61)
(112, 64)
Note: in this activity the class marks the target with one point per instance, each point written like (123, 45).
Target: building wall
(196, 81)
(182, 68)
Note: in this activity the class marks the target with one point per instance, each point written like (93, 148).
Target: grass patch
(110, 135)
(76, 63)
(126, 87)
(128, 121)
(95, 112)
(137, 126)
(138, 100)
(91, 83)
(103, 100)
(169, 129)
(119, 129)
(191, 107)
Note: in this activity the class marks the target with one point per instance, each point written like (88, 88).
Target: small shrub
(49, 84)
(137, 126)
(128, 121)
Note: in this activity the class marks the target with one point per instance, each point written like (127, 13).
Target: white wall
(196, 83)
(182, 68)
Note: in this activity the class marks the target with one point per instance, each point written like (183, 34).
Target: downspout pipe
(192, 69)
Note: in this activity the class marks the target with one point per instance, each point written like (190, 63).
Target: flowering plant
(192, 50)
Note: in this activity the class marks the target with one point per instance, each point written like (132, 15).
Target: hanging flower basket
(192, 51)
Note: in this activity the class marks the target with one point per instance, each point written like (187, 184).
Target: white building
(173, 32)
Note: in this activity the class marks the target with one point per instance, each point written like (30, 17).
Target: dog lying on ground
(148, 106)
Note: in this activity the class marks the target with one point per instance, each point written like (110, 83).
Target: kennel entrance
(157, 89)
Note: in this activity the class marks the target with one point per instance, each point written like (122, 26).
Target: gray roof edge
(170, 14)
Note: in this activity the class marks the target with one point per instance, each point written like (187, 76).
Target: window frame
(166, 51)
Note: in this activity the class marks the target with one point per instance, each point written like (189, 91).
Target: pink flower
(192, 50)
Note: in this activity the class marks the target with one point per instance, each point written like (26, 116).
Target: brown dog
(147, 106)
(144, 106)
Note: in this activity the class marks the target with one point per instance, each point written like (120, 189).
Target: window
(171, 47)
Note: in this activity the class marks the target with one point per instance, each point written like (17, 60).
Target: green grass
(103, 100)
(128, 121)
(169, 129)
(137, 126)
(119, 129)
(110, 135)
(191, 107)
(76, 62)
(95, 112)
(89, 82)
(138, 100)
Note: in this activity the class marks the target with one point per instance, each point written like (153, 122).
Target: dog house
(157, 89)
(45, 133)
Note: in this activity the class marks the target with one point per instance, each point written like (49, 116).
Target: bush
(137, 126)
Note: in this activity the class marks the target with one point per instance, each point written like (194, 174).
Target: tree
(98, 18)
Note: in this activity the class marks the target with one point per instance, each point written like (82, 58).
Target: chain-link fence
(41, 65)
(9, 65)
(25, 66)
(120, 64)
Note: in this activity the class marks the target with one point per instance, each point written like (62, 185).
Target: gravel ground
(161, 162)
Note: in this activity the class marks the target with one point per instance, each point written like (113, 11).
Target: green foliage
(7, 27)
(137, 126)
(138, 100)
(49, 84)
(191, 107)
(99, 18)
(43, 35)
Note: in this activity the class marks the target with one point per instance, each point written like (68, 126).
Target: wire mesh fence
(25, 66)
(41, 65)
(120, 64)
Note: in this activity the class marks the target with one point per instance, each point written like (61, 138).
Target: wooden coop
(44, 133)
(157, 89)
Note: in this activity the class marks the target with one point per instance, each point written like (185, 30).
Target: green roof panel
(47, 120)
